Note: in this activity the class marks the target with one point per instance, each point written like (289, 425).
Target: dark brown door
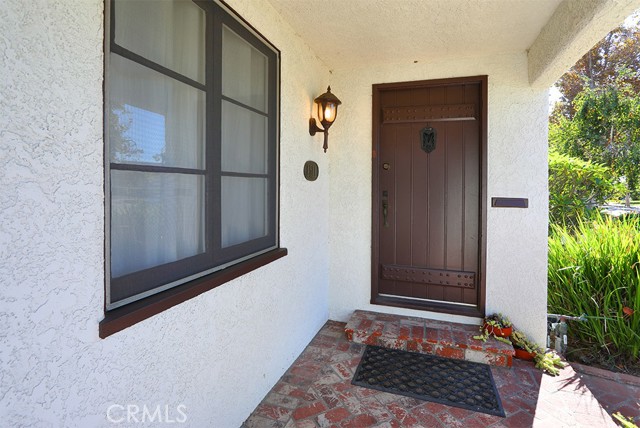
(427, 190)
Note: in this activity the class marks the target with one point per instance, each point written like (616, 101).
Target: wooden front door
(428, 145)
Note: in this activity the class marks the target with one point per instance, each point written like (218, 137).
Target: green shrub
(575, 186)
(595, 269)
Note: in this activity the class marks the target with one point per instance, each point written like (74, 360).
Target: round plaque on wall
(311, 170)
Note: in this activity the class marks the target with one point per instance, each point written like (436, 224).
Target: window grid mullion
(138, 59)
(155, 168)
(245, 106)
(244, 174)
(214, 132)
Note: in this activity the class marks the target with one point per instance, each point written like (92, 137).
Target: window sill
(126, 316)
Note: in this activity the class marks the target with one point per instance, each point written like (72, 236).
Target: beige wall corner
(574, 28)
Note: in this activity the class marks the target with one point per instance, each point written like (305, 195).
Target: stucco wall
(517, 167)
(217, 354)
(575, 27)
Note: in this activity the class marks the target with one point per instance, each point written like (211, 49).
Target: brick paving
(445, 339)
(316, 391)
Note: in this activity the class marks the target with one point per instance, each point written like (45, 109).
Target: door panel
(427, 205)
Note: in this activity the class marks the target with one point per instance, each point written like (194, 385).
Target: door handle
(385, 208)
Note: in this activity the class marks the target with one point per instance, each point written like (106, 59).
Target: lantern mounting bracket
(313, 127)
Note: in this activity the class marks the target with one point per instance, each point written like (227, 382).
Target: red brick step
(446, 339)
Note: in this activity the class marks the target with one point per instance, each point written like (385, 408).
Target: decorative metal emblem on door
(428, 139)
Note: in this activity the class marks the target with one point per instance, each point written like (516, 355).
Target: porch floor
(445, 339)
(316, 391)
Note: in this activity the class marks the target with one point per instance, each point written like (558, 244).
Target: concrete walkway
(316, 391)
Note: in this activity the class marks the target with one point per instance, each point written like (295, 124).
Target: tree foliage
(602, 66)
(605, 129)
(598, 116)
(122, 147)
(576, 186)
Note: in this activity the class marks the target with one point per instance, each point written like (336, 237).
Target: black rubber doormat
(455, 383)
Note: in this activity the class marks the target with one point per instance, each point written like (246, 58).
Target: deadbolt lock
(386, 166)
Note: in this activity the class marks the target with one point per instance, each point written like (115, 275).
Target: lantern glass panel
(327, 113)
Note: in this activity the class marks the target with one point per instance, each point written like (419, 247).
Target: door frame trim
(409, 303)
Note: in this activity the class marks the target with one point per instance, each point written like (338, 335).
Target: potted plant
(495, 325)
(525, 349)
(498, 325)
(550, 362)
(501, 329)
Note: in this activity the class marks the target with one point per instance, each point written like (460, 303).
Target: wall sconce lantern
(327, 112)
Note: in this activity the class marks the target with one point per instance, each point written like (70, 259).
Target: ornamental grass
(594, 269)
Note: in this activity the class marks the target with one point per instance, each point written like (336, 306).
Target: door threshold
(469, 305)
(427, 305)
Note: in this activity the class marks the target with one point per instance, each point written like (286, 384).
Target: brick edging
(606, 374)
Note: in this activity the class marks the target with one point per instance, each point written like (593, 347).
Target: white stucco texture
(382, 31)
(217, 354)
(576, 25)
(517, 167)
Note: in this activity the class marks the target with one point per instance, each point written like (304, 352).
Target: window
(191, 113)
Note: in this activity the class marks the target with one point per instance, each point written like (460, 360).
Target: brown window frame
(172, 283)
